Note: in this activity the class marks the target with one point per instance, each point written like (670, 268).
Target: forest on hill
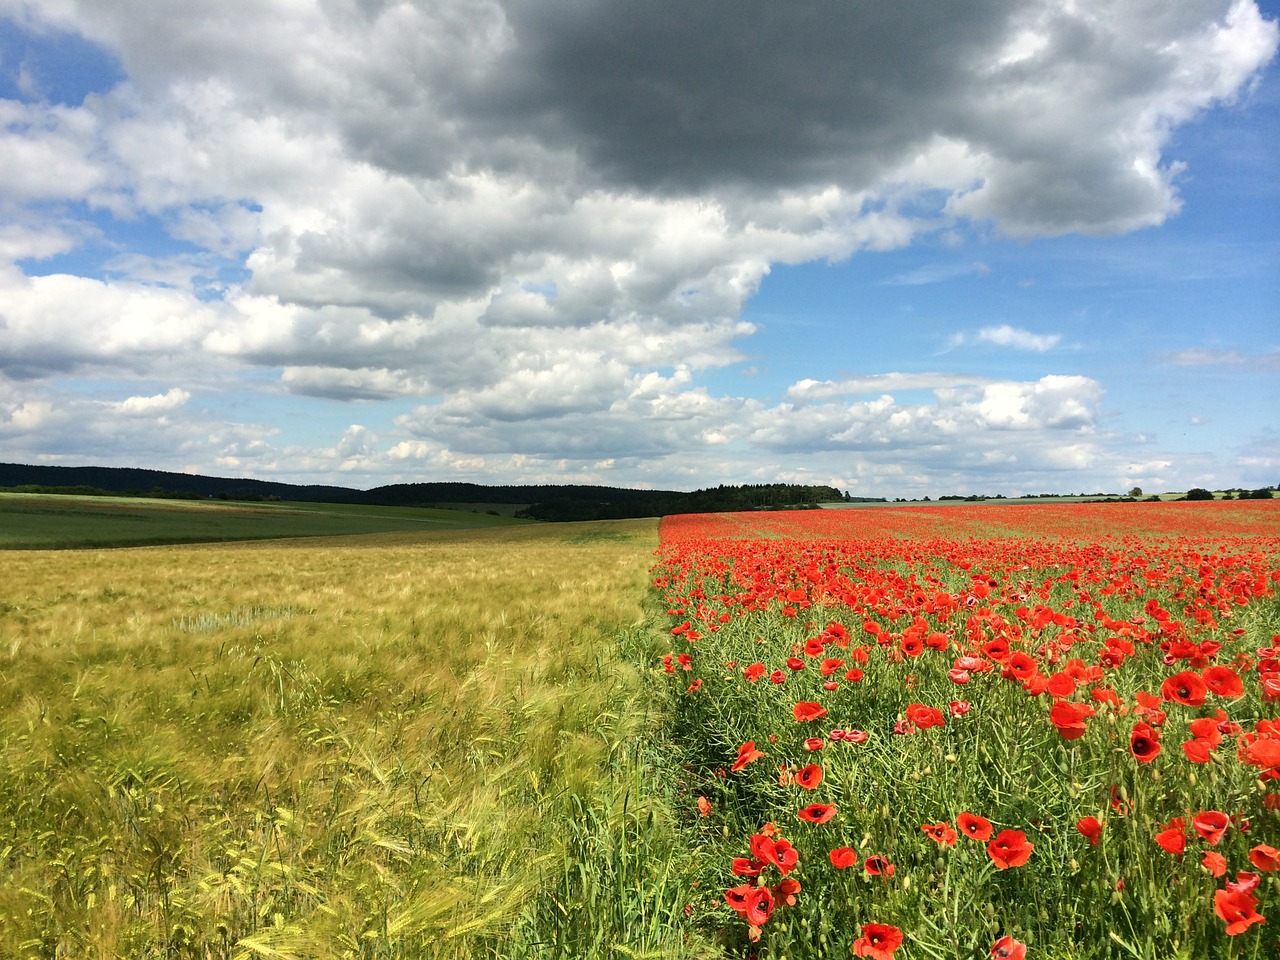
(535, 501)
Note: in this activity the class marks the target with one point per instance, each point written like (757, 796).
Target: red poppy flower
(1091, 829)
(853, 675)
(877, 866)
(974, 827)
(704, 806)
(746, 753)
(1265, 857)
(814, 744)
(809, 777)
(924, 716)
(1020, 666)
(754, 672)
(1211, 824)
(746, 867)
(1186, 688)
(1214, 862)
(843, 857)
(807, 710)
(1245, 882)
(817, 812)
(958, 708)
(830, 666)
(1069, 718)
(878, 941)
(778, 852)
(786, 891)
(941, 833)
(1238, 909)
(1061, 685)
(1144, 742)
(1173, 838)
(1149, 707)
(736, 897)
(1197, 751)
(759, 906)
(1010, 848)
(1223, 681)
(1007, 948)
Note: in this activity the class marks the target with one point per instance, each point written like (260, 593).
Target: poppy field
(979, 731)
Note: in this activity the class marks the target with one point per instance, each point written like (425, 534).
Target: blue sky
(907, 251)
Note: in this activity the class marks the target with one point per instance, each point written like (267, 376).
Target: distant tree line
(655, 503)
(540, 502)
(1200, 493)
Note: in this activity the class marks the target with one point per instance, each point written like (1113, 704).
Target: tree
(1136, 492)
(1198, 493)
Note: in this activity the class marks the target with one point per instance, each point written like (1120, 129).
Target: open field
(46, 521)
(401, 746)
(772, 735)
(972, 731)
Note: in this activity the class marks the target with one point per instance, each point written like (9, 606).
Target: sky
(905, 249)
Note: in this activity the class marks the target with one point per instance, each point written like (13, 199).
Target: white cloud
(535, 226)
(150, 406)
(966, 420)
(1005, 335)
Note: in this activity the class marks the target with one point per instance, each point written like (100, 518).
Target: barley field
(392, 746)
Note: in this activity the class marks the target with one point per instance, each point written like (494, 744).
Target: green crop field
(44, 521)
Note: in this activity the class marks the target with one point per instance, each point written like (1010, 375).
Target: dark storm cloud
(687, 97)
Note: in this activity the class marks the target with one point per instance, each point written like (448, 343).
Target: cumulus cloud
(978, 417)
(535, 226)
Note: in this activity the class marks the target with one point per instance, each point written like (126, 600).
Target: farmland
(398, 746)
(982, 731)
(37, 521)
(966, 728)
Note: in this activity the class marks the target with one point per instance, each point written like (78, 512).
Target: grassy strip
(47, 522)
(388, 747)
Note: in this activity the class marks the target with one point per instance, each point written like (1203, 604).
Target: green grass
(49, 522)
